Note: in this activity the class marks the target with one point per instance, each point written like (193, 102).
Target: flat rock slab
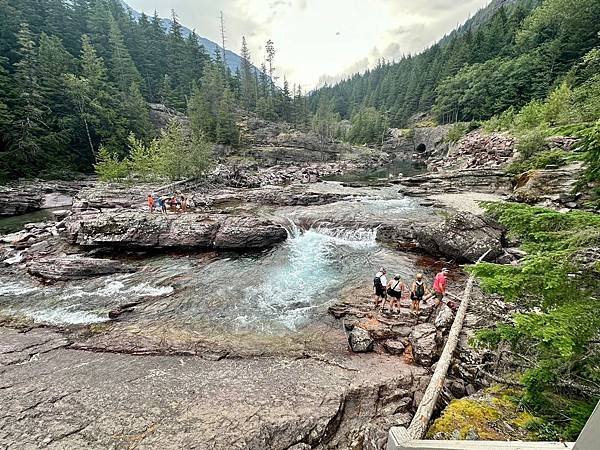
(76, 399)
(187, 230)
(73, 267)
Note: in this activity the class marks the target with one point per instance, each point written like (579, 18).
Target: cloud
(320, 41)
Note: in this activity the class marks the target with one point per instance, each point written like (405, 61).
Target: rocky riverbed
(233, 325)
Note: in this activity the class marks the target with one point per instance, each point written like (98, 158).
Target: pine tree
(30, 109)
(92, 98)
(227, 131)
(201, 116)
(122, 68)
(248, 86)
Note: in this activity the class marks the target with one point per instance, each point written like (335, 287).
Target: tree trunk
(420, 421)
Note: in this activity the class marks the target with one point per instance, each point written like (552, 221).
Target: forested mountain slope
(232, 59)
(76, 77)
(519, 54)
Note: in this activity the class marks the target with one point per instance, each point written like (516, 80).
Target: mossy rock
(491, 415)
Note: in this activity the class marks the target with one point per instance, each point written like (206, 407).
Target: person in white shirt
(379, 285)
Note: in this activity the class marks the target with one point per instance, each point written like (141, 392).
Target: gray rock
(444, 317)
(360, 340)
(75, 267)
(394, 347)
(463, 237)
(422, 339)
(144, 230)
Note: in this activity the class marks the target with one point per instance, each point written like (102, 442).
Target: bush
(502, 122)
(555, 156)
(557, 284)
(173, 155)
(532, 143)
(109, 167)
(456, 132)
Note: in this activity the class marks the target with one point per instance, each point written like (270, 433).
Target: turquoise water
(400, 167)
(331, 250)
(16, 223)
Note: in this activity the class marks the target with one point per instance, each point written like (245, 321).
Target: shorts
(380, 292)
(416, 298)
(439, 295)
(394, 294)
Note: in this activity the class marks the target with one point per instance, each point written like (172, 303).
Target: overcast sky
(321, 40)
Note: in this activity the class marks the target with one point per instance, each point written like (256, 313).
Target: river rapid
(280, 293)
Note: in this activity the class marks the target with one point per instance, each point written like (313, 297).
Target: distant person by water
(162, 205)
(150, 203)
(379, 284)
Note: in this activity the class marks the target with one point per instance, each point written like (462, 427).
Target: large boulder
(135, 229)
(75, 267)
(423, 342)
(15, 201)
(463, 237)
(549, 187)
(360, 340)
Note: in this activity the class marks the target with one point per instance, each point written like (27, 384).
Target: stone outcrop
(477, 150)
(422, 338)
(74, 267)
(25, 197)
(133, 229)
(462, 237)
(360, 340)
(465, 180)
(178, 402)
(549, 187)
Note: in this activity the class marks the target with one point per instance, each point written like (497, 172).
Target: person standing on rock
(379, 284)
(150, 203)
(395, 288)
(417, 293)
(439, 286)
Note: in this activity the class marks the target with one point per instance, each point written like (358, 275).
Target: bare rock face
(15, 201)
(75, 267)
(465, 180)
(360, 340)
(548, 187)
(143, 230)
(444, 317)
(478, 150)
(423, 342)
(463, 237)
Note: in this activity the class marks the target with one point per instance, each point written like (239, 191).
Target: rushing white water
(274, 291)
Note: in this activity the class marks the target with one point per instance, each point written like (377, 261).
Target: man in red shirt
(439, 286)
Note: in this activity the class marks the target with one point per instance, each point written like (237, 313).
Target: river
(280, 292)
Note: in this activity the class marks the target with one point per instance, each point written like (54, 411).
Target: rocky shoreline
(314, 393)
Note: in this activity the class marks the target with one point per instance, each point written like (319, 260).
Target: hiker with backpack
(380, 284)
(417, 293)
(394, 290)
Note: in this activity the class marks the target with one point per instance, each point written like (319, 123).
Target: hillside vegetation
(76, 76)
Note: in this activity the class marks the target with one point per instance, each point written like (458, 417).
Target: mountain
(509, 53)
(232, 59)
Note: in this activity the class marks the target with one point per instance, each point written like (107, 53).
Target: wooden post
(420, 421)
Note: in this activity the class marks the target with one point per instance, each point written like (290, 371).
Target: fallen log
(420, 421)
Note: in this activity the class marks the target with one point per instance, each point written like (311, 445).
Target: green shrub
(555, 156)
(501, 122)
(532, 143)
(456, 132)
(557, 284)
(109, 167)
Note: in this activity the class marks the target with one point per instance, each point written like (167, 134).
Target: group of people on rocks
(419, 291)
(175, 203)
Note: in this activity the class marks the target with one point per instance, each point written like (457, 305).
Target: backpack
(377, 283)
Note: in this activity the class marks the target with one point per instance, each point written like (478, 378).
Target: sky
(319, 41)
